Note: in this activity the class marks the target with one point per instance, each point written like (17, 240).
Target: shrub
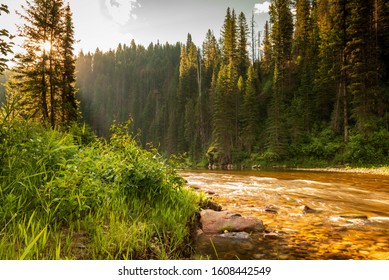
(56, 191)
(323, 145)
(372, 148)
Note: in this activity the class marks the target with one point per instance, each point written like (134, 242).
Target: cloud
(262, 8)
(121, 11)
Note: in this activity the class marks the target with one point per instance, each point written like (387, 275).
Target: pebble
(364, 252)
(283, 257)
(379, 256)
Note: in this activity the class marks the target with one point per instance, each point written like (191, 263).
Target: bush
(323, 145)
(56, 191)
(372, 148)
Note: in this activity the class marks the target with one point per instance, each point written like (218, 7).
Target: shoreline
(362, 170)
(384, 170)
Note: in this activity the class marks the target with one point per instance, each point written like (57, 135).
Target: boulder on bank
(218, 222)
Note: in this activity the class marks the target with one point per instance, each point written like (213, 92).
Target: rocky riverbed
(303, 215)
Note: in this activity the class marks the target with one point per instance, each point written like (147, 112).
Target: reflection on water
(350, 218)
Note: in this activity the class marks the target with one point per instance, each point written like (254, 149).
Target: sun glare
(43, 48)
(46, 46)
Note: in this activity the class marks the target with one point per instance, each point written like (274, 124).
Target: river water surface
(350, 218)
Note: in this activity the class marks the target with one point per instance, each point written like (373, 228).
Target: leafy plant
(61, 198)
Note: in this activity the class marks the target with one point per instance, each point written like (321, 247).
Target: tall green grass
(63, 199)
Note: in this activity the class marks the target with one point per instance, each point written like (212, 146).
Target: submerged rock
(309, 210)
(218, 222)
(236, 235)
(271, 209)
(352, 217)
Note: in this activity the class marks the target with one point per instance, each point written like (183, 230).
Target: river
(349, 220)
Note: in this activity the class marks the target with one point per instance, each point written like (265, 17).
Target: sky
(106, 23)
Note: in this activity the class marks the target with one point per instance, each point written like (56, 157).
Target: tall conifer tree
(70, 105)
(338, 40)
(229, 38)
(250, 110)
(282, 32)
(267, 59)
(45, 71)
(304, 48)
(242, 42)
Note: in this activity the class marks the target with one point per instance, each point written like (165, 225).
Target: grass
(62, 198)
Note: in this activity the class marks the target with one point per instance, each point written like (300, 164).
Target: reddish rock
(218, 222)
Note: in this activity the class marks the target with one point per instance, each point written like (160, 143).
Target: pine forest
(311, 89)
(100, 151)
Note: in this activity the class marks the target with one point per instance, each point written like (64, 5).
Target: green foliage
(371, 149)
(82, 134)
(45, 68)
(115, 199)
(270, 156)
(317, 91)
(5, 45)
(324, 145)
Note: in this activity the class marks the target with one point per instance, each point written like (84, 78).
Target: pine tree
(381, 34)
(324, 83)
(253, 42)
(188, 92)
(223, 133)
(70, 105)
(360, 76)
(304, 48)
(211, 62)
(267, 59)
(338, 42)
(242, 44)
(45, 74)
(228, 99)
(302, 27)
(229, 38)
(211, 52)
(282, 32)
(5, 45)
(211, 58)
(250, 111)
(381, 43)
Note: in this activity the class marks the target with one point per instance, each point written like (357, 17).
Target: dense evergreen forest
(312, 89)
(315, 88)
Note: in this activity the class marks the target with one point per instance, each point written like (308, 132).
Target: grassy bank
(70, 196)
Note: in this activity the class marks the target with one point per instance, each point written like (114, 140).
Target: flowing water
(350, 217)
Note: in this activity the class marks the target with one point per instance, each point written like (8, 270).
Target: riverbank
(382, 170)
(184, 163)
(364, 170)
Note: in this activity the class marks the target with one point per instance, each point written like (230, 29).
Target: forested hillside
(315, 89)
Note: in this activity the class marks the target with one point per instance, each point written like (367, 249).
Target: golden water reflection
(350, 219)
